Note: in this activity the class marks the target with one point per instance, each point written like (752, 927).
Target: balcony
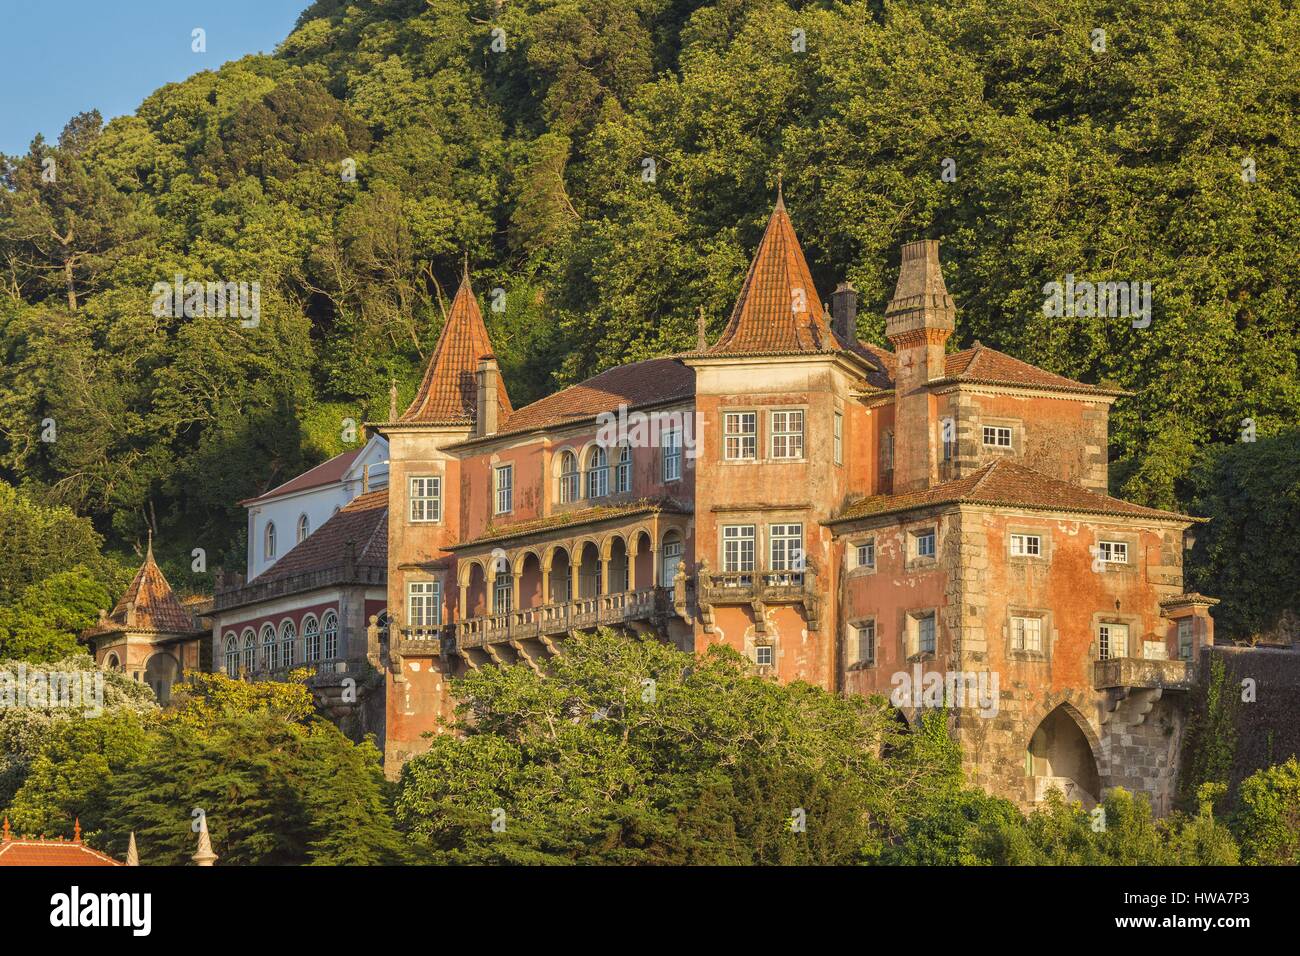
(1138, 673)
(758, 589)
(547, 620)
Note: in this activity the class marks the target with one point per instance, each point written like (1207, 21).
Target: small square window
(867, 554)
(763, 655)
(925, 544)
(997, 436)
(1027, 634)
(787, 434)
(1113, 552)
(426, 499)
(1026, 545)
(1185, 639)
(740, 431)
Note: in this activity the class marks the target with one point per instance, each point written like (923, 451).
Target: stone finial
(701, 333)
(132, 855)
(204, 856)
(76, 830)
(392, 399)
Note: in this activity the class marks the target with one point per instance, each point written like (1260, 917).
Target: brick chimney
(918, 322)
(844, 312)
(486, 404)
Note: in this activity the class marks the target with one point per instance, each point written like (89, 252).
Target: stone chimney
(918, 322)
(487, 405)
(844, 312)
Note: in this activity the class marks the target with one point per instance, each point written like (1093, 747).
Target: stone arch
(111, 662)
(529, 573)
(517, 566)
(161, 671)
(1062, 751)
(560, 573)
(587, 561)
(465, 569)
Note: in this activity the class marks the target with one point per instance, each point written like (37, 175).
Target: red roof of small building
(448, 395)
(989, 366)
(363, 522)
(149, 605)
(1007, 483)
(326, 473)
(28, 851)
(778, 310)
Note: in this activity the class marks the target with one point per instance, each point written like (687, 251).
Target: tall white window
(623, 471)
(569, 477)
(268, 648)
(1026, 545)
(505, 481)
(997, 436)
(925, 634)
(1113, 552)
(671, 560)
(310, 639)
(1027, 634)
(763, 655)
(232, 655)
(867, 642)
(597, 473)
(740, 434)
(837, 434)
(867, 554)
(925, 543)
(250, 651)
(304, 528)
(288, 638)
(1112, 641)
(672, 446)
(503, 593)
(1185, 639)
(424, 603)
(330, 632)
(785, 544)
(269, 541)
(787, 434)
(737, 548)
(426, 498)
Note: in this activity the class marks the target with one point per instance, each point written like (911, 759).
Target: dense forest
(608, 164)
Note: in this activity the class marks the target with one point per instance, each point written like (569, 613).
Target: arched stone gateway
(161, 671)
(1060, 755)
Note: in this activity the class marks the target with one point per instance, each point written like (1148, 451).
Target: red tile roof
(778, 310)
(448, 395)
(326, 473)
(989, 366)
(650, 382)
(28, 851)
(363, 521)
(579, 516)
(149, 605)
(1007, 483)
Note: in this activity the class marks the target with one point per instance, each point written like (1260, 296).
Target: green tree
(1267, 819)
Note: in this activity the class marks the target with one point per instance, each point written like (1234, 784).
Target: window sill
(862, 666)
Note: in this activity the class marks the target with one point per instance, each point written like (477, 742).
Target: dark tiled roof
(778, 311)
(989, 366)
(569, 519)
(149, 604)
(449, 392)
(1009, 483)
(363, 521)
(326, 473)
(641, 383)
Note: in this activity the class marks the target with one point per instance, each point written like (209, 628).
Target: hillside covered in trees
(608, 164)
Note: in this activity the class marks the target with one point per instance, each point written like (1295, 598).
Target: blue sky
(60, 57)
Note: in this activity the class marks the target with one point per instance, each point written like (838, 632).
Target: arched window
(330, 630)
(304, 528)
(111, 662)
(232, 655)
(288, 638)
(310, 639)
(623, 471)
(569, 477)
(250, 650)
(269, 547)
(597, 473)
(268, 648)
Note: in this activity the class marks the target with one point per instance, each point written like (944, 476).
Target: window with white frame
(924, 543)
(623, 471)
(1112, 641)
(310, 639)
(424, 603)
(304, 528)
(1026, 545)
(250, 651)
(268, 648)
(866, 554)
(867, 642)
(737, 548)
(426, 498)
(740, 436)
(232, 655)
(1185, 639)
(785, 547)
(997, 436)
(763, 655)
(329, 629)
(597, 473)
(504, 476)
(268, 547)
(948, 433)
(837, 436)
(1027, 634)
(570, 488)
(672, 447)
(503, 593)
(787, 434)
(925, 625)
(671, 561)
(1113, 552)
(288, 643)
